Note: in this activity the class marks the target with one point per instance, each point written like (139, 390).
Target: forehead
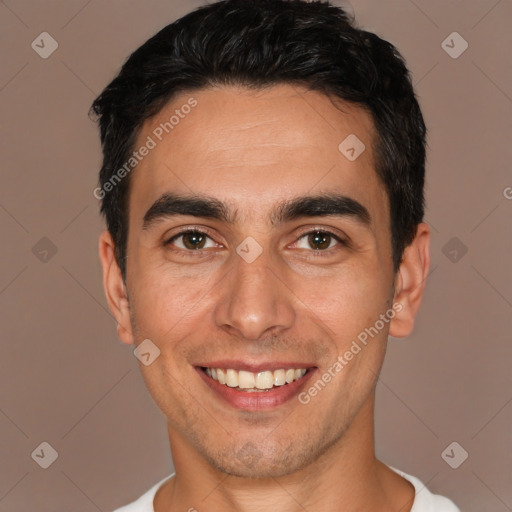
(250, 148)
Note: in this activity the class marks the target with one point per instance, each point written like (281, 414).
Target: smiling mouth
(255, 382)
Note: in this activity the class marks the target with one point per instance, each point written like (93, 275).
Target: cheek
(346, 301)
(167, 302)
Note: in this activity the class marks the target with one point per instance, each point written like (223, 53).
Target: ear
(410, 282)
(115, 288)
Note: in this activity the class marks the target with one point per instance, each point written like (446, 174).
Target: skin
(252, 150)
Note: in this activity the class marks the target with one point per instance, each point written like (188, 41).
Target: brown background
(67, 380)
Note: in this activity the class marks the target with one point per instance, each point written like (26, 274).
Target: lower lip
(256, 401)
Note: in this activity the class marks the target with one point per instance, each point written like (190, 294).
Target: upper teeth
(248, 380)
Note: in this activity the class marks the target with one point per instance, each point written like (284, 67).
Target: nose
(254, 302)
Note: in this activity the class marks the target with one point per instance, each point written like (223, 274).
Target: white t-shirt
(424, 501)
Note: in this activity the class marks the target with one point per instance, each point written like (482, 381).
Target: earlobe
(410, 282)
(115, 288)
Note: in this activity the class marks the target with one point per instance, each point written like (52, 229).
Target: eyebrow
(323, 205)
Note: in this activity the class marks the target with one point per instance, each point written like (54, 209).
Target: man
(262, 185)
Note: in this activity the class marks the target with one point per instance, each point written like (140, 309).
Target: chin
(254, 460)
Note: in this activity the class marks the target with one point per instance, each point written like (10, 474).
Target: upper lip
(255, 367)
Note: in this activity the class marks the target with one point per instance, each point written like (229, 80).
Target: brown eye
(194, 240)
(319, 240)
(191, 241)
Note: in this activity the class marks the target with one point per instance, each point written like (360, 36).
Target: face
(274, 256)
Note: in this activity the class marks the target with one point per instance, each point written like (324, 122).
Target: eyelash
(200, 252)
